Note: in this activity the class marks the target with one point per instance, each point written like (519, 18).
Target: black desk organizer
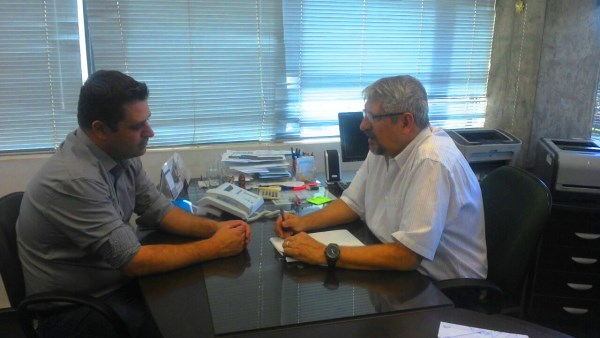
(566, 284)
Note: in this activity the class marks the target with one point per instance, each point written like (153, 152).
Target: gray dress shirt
(73, 230)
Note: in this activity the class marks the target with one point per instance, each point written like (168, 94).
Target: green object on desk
(318, 200)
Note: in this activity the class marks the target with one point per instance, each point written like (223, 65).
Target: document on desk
(448, 330)
(340, 237)
(256, 156)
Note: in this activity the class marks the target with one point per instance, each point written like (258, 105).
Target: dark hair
(103, 97)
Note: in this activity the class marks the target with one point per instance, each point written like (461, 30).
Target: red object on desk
(305, 186)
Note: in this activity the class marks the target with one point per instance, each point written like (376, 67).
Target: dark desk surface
(414, 324)
(258, 290)
(257, 294)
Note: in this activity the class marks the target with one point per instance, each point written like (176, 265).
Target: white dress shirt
(428, 199)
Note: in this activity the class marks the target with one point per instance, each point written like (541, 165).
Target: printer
(569, 167)
(485, 148)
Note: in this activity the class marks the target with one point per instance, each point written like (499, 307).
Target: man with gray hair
(415, 191)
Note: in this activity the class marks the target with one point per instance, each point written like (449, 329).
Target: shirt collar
(401, 158)
(107, 162)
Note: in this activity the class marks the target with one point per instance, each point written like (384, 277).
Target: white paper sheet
(340, 237)
(449, 330)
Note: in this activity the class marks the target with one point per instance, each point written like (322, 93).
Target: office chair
(516, 205)
(12, 276)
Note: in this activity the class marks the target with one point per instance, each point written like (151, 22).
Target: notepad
(340, 237)
(318, 200)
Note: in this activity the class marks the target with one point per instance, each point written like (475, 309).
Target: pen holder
(305, 169)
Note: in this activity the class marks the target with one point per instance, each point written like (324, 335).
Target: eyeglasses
(373, 118)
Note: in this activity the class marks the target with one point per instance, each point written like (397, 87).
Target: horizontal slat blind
(239, 70)
(40, 73)
(213, 67)
(596, 122)
(336, 48)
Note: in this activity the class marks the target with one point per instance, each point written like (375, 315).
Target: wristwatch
(332, 253)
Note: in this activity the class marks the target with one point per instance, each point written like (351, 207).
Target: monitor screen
(354, 143)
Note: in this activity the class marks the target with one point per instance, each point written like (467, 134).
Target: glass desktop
(259, 290)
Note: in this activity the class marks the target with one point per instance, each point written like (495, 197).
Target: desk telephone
(234, 200)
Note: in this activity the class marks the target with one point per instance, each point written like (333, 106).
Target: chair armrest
(26, 315)
(475, 294)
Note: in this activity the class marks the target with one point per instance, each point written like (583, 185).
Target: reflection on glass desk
(260, 290)
(257, 290)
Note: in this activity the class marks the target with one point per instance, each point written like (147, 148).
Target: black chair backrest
(517, 206)
(10, 265)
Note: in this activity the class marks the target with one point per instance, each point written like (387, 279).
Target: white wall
(17, 170)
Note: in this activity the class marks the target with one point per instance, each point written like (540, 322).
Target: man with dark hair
(415, 191)
(103, 97)
(73, 230)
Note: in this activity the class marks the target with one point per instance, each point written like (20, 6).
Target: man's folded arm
(391, 256)
(180, 222)
(166, 257)
(337, 212)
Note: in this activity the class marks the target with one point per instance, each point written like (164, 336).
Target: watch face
(332, 251)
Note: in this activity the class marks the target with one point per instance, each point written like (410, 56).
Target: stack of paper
(264, 164)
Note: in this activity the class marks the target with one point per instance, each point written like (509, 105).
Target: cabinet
(566, 283)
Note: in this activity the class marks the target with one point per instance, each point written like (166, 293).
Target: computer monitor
(354, 143)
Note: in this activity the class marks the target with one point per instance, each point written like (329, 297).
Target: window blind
(596, 121)
(235, 71)
(336, 48)
(269, 70)
(41, 73)
(214, 68)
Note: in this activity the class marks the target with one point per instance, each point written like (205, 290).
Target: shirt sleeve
(150, 204)
(84, 211)
(121, 246)
(423, 215)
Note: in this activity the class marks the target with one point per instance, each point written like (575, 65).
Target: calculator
(269, 193)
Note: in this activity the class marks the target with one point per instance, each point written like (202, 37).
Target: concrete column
(514, 66)
(569, 68)
(544, 71)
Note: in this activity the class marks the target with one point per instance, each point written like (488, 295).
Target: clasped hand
(232, 236)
